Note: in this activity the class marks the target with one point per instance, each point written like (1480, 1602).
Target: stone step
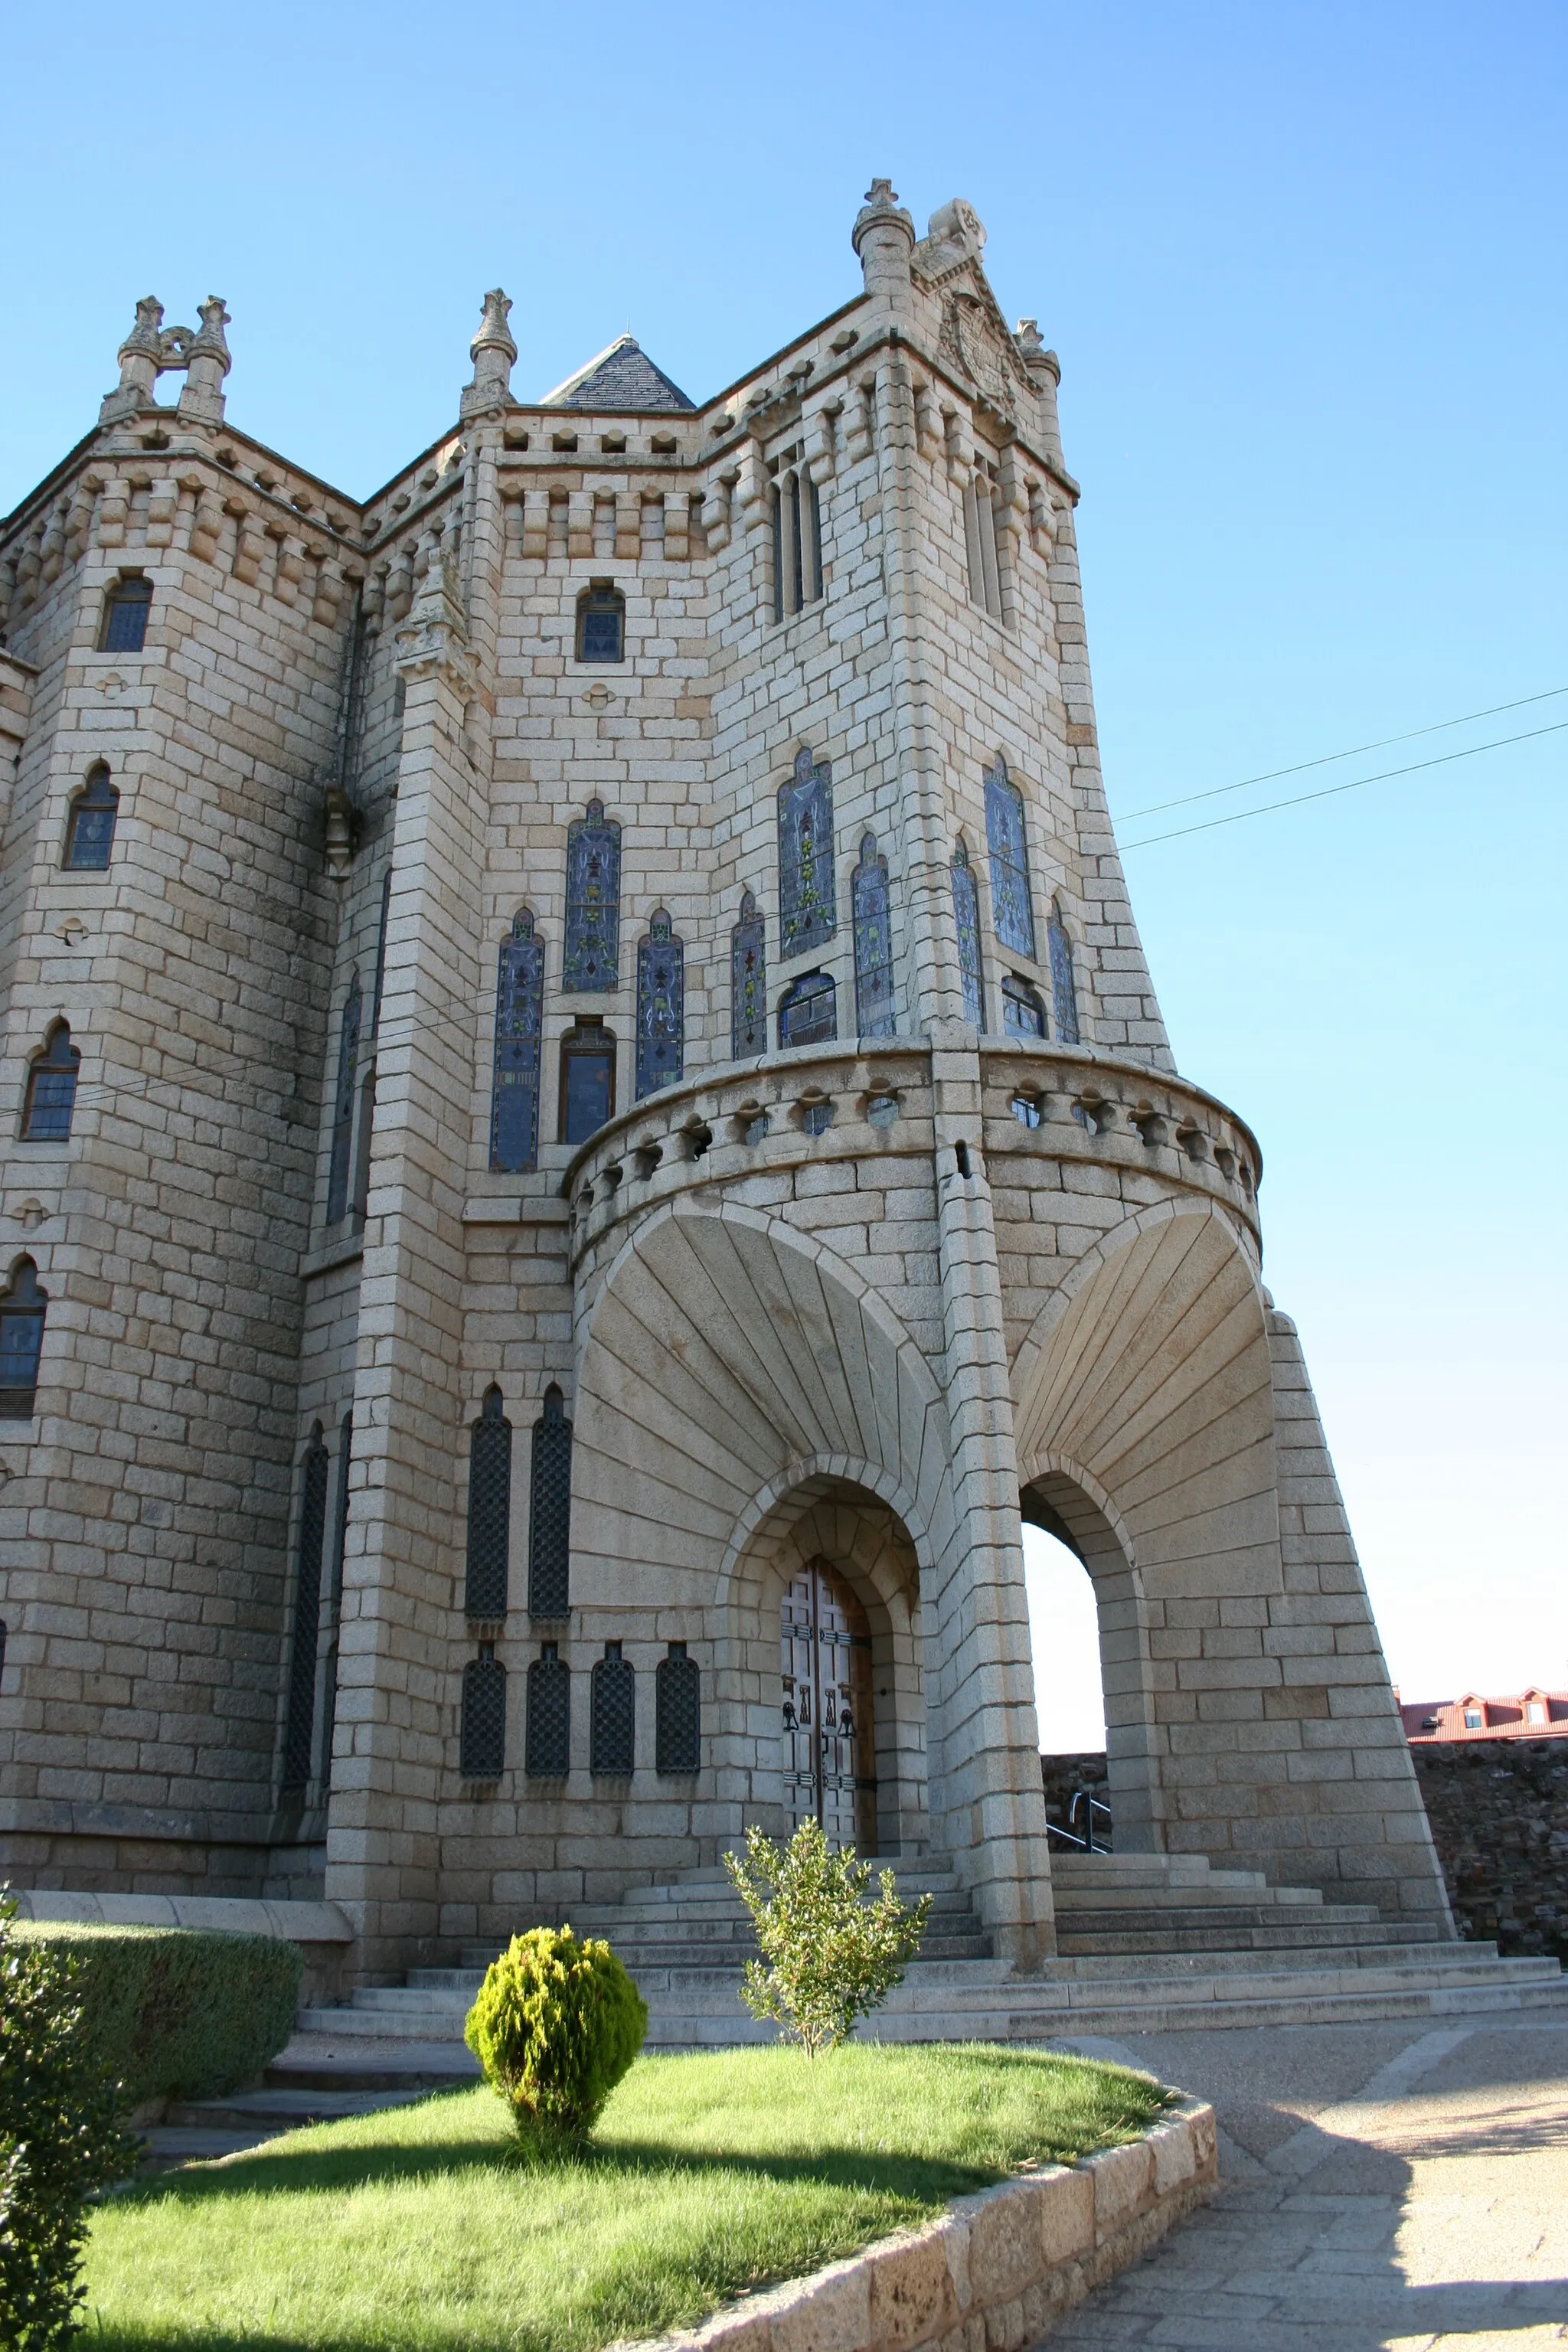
(401, 2063)
(265, 2114)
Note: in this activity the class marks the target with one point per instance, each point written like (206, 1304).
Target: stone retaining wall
(1498, 1811)
(994, 2272)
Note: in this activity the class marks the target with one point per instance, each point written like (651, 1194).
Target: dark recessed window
(125, 614)
(1022, 1014)
(809, 1012)
(89, 829)
(587, 1080)
(51, 1089)
(601, 625)
(23, 1306)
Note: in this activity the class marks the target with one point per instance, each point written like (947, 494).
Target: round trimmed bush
(556, 2024)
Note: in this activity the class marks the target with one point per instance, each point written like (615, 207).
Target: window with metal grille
(587, 1079)
(807, 901)
(601, 623)
(125, 611)
(89, 828)
(677, 1712)
(661, 1006)
(300, 1724)
(797, 536)
(591, 960)
(343, 1107)
(482, 1743)
(1022, 1014)
(50, 1101)
(966, 916)
(23, 1306)
(1064, 985)
(490, 1511)
(748, 982)
(549, 1511)
(520, 1016)
(808, 1015)
(548, 1752)
(872, 918)
(611, 1714)
(1012, 908)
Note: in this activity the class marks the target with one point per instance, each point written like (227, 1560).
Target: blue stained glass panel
(1064, 987)
(661, 1006)
(748, 983)
(807, 905)
(1012, 911)
(966, 916)
(593, 901)
(809, 1012)
(873, 943)
(514, 1092)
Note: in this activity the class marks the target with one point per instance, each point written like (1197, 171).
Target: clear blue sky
(1303, 264)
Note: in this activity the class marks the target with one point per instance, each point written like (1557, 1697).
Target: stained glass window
(661, 1006)
(490, 1511)
(593, 901)
(125, 614)
(23, 1306)
(298, 1736)
(807, 905)
(90, 830)
(808, 1015)
(873, 942)
(612, 1720)
(549, 1749)
(483, 1737)
(748, 983)
(677, 1712)
(1022, 1014)
(549, 1511)
(1012, 910)
(601, 625)
(343, 1107)
(966, 916)
(520, 1007)
(587, 1080)
(50, 1102)
(1064, 988)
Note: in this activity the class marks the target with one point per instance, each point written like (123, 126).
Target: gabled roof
(621, 377)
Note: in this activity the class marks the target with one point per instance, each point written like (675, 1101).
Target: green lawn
(708, 2175)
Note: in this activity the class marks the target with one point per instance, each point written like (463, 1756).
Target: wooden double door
(829, 1749)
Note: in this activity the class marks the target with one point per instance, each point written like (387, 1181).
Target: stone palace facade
(588, 1132)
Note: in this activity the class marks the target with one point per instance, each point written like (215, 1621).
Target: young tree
(828, 1954)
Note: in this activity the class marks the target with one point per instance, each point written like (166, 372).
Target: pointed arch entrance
(829, 1737)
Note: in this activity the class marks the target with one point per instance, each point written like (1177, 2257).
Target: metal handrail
(1091, 1805)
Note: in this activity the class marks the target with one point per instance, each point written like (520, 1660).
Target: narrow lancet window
(807, 909)
(381, 951)
(748, 983)
(873, 942)
(549, 1749)
(125, 611)
(1064, 987)
(489, 1512)
(967, 917)
(796, 508)
(89, 828)
(482, 1741)
(593, 901)
(519, 1013)
(808, 1015)
(299, 1728)
(550, 1512)
(677, 1718)
(23, 1306)
(335, 1595)
(980, 540)
(661, 1006)
(1012, 910)
(340, 1166)
(612, 1724)
(51, 1103)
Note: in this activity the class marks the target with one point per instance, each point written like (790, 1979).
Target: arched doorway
(830, 1742)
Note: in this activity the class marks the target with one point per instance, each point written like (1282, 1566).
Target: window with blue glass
(1022, 1014)
(89, 828)
(1012, 910)
(50, 1101)
(601, 623)
(808, 1015)
(873, 942)
(587, 1079)
(807, 907)
(748, 983)
(1064, 985)
(125, 611)
(520, 1012)
(661, 1006)
(340, 1166)
(593, 902)
(23, 1306)
(967, 917)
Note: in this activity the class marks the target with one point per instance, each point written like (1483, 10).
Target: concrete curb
(994, 2272)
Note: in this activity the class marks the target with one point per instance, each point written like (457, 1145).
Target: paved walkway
(1385, 2186)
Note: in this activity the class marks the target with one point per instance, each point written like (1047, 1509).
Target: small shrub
(828, 1955)
(556, 2024)
(176, 2012)
(59, 2140)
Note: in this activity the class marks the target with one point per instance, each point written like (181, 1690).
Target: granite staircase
(1147, 1944)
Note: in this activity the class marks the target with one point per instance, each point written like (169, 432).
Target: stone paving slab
(1394, 2187)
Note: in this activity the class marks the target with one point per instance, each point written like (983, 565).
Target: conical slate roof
(622, 377)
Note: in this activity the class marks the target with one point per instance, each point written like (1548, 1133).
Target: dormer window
(601, 623)
(125, 611)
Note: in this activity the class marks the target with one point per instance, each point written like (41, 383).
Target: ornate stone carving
(434, 642)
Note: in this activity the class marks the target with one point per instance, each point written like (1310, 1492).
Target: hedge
(178, 2012)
